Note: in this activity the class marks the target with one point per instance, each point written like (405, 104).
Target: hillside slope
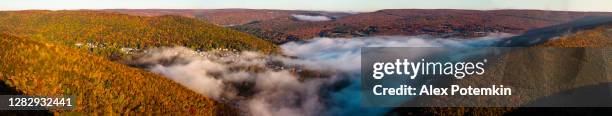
(554, 62)
(99, 85)
(598, 37)
(109, 32)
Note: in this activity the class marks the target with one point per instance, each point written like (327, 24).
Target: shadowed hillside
(570, 68)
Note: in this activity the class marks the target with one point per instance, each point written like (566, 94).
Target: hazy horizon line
(297, 9)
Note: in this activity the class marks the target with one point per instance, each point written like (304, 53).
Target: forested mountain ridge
(442, 23)
(105, 33)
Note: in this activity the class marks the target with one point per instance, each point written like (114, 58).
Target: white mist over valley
(266, 85)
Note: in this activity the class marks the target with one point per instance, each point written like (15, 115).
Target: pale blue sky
(327, 5)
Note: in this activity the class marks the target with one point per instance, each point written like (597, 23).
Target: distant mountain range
(226, 17)
(281, 26)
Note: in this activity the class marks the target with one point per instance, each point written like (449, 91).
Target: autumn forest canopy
(250, 61)
(70, 52)
(116, 30)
